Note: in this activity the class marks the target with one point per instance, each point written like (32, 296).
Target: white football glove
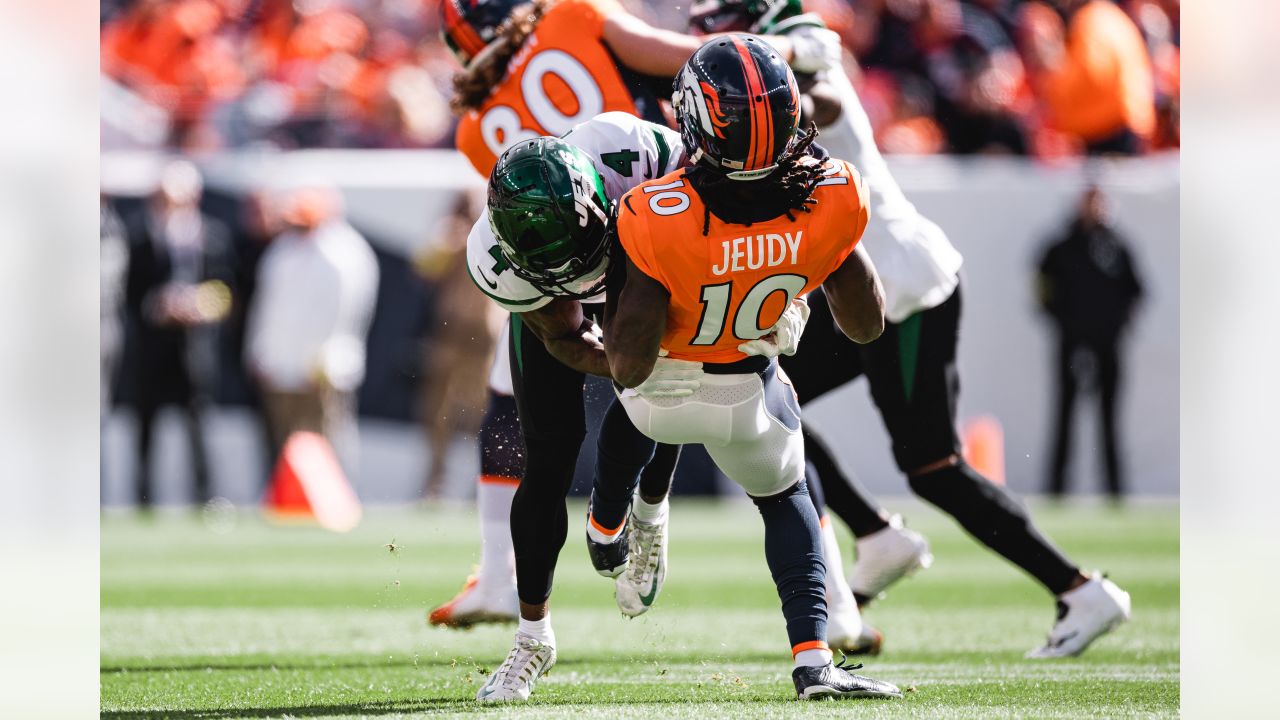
(784, 337)
(814, 49)
(671, 378)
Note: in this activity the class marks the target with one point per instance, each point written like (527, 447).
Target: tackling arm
(634, 332)
(856, 297)
(567, 335)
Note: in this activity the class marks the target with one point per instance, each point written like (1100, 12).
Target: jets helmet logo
(582, 196)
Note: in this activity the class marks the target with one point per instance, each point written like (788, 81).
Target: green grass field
(260, 621)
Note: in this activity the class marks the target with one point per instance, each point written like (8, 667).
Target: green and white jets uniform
(919, 265)
(625, 150)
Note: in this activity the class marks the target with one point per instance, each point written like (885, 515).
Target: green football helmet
(549, 213)
(753, 16)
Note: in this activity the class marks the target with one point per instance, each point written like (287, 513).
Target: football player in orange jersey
(714, 256)
(542, 67)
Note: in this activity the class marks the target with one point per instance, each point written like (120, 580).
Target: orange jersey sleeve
(562, 76)
(732, 283)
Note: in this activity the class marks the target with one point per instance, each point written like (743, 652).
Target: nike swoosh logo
(647, 600)
(492, 285)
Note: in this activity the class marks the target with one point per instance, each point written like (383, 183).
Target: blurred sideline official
(1089, 288)
(309, 320)
(178, 292)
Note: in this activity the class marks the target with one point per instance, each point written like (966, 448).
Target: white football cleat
(636, 589)
(885, 557)
(477, 604)
(848, 633)
(528, 660)
(1084, 614)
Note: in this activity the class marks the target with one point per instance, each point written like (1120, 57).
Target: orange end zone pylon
(983, 439)
(308, 485)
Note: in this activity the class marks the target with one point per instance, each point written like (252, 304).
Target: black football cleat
(833, 681)
(609, 559)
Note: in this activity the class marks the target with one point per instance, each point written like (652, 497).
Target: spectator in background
(976, 74)
(460, 351)
(1089, 288)
(309, 320)
(1096, 82)
(176, 55)
(178, 291)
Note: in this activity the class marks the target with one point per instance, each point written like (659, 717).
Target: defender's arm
(566, 333)
(856, 297)
(634, 332)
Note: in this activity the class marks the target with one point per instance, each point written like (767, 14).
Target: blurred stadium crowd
(1047, 78)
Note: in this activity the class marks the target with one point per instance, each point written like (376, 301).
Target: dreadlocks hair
(785, 191)
(475, 83)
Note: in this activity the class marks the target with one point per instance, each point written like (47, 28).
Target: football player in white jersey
(911, 371)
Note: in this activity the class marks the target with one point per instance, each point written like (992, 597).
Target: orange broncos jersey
(562, 76)
(732, 284)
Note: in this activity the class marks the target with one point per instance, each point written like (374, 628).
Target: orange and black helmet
(467, 26)
(737, 105)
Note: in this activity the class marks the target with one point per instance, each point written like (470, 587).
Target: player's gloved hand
(814, 49)
(784, 337)
(671, 378)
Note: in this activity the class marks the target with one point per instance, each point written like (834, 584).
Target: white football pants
(749, 424)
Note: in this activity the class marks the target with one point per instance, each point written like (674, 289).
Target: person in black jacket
(179, 290)
(1089, 288)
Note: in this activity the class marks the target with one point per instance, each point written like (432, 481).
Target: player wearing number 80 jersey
(541, 67)
(563, 75)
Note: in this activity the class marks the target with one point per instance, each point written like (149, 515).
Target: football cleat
(475, 605)
(885, 557)
(1084, 614)
(833, 681)
(638, 587)
(609, 559)
(851, 635)
(514, 680)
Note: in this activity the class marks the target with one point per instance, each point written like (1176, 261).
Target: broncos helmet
(737, 105)
(548, 210)
(755, 16)
(467, 26)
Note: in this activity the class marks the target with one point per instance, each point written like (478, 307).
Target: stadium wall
(998, 211)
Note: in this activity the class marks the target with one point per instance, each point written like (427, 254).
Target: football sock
(621, 454)
(843, 494)
(649, 514)
(793, 550)
(813, 657)
(539, 630)
(497, 560)
(839, 596)
(656, 478)
(996, 519)
(601, 534)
